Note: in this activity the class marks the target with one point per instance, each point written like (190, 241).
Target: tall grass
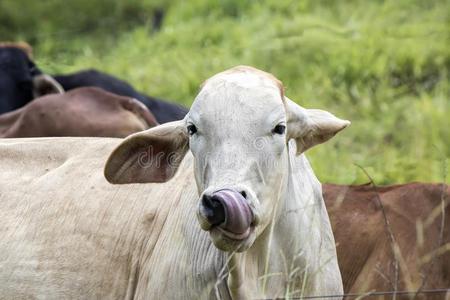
(384, 65)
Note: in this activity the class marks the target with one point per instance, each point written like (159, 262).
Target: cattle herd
(213, 202)
(33, 104)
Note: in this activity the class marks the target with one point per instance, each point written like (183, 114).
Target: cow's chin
(227, 242)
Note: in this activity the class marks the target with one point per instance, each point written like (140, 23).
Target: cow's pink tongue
(238, 215)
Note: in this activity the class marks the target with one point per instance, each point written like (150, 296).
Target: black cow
(20, 80)
(162, 110)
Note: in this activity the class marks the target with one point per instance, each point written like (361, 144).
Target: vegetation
(384, 65)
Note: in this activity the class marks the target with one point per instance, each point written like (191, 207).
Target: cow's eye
(279, 129)
(191, 129)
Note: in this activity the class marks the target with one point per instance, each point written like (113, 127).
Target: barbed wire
(373, 294)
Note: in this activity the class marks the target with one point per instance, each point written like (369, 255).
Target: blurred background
(384, 65)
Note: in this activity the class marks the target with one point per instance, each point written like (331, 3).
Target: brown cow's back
(80, 112)
(364, 245)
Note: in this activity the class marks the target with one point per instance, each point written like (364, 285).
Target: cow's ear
(44, 84)
(153, 155)
(309, 127)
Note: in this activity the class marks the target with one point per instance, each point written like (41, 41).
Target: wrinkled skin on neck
(290, 265)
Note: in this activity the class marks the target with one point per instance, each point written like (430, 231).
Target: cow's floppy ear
(309, 127)
(153, 155)
(44, 84)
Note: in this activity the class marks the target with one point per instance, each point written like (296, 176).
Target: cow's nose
(229, 210)
(213, 209)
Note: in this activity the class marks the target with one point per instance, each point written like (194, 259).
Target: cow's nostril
(244, 194)
(213, 210)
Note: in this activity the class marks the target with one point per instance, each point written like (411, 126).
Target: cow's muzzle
(228, 211)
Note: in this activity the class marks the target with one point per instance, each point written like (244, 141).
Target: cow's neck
(286, 252)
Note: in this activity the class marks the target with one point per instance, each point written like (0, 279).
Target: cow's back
(65, 231)
(164, 111)
(80, 112)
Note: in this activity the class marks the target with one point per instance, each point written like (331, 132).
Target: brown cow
(364, 242)
(80, 112)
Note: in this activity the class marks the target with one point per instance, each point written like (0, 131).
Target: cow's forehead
(247, 77)
(240, 90)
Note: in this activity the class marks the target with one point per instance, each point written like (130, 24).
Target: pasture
(384, 65)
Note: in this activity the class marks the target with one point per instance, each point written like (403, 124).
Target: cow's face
(237, 129)
(20, 80)
(237, 134)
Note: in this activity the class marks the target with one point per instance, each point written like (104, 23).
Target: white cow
(67, 233)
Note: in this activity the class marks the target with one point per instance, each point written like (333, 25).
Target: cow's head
(20, 79)
(237, 129)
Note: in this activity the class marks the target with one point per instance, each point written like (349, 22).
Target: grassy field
(384, 65)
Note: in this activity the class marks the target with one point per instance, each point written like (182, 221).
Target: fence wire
(374, 294)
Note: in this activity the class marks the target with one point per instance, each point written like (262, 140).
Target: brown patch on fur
(248, 69)
(25, 47)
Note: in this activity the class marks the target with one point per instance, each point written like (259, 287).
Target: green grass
(384, 65)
